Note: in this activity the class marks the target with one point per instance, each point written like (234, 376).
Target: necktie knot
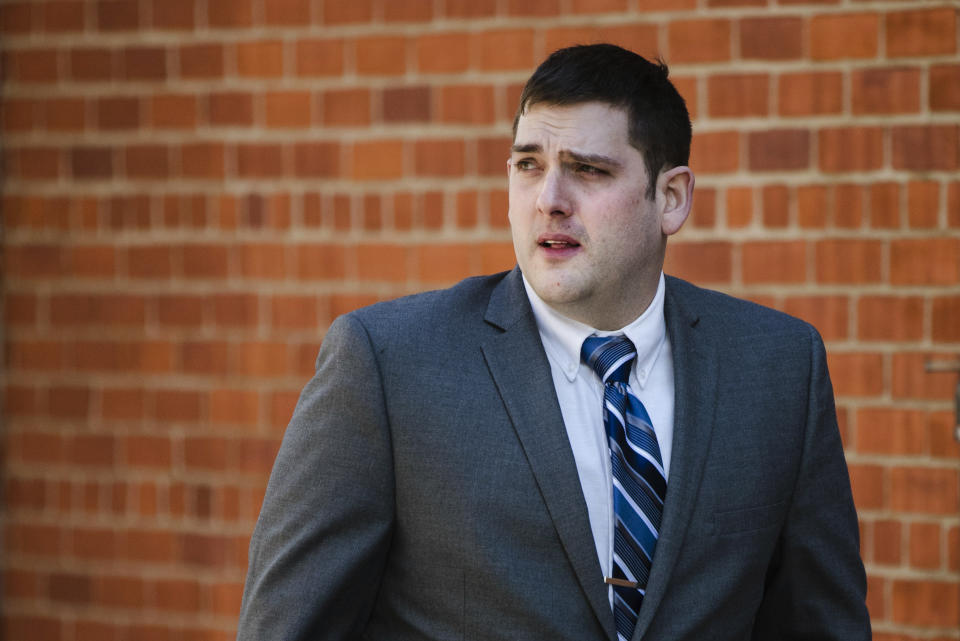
(609, 356)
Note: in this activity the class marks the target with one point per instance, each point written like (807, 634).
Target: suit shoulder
(730, 315)
(436, 309)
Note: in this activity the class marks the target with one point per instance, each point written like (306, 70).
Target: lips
(557, 241)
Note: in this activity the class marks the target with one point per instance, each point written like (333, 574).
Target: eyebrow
(576, 156)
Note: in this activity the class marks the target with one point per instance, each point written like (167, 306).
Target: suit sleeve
(319, 546)
(816, 585)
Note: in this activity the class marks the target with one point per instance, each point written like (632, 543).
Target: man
(580, 448)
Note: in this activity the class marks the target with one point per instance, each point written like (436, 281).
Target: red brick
(316, 159)
(256, 160)
(33, 261)
(294, 312)
(880, 91)
(925, 546)
(443, 52)
(443, 263)
(739, 206)
(945, 87)
(925, 490)
(381, 55)
(851, 149)
(33, 627)
(889, 318)
(259, 59)
(829, 314)
(887, 542)
(953, 204)
(776, 206)
(407, 104)
(923, 204)
(774, 262)
(848, 261)
(118, 113)
(925, 261)
(286, 109)
(64, 114)
(926, 147)
(240, 407)
(230, 108)
(506, 49)
(143, 63)
(922, 32)
(382, 262)
(38, 163)
(177, 406)
(173, 111)
(771, 38)
(20, 114)
(118, 15)
(409, 11)
(884, 210)
(201, 61)
(891, 431)
(91, 162)
(853, 35)
(439, 157)
(856, 373)
(715, 152)
(230, 13)
(319, 57)
(698, 40)
(953, 549)
(849, 202)
(538, 8)
(147, 161)
(16, 17)
(204, 357)
(288, 12)
(148, 451)
(779, 149)
(738, 95)
(173, 14)
(468, 104)
(707, 262)
(918, 602)
(92, 64)
(324, 261)
(347, 11)
(33, 66)
(868, 483)
(377, 160)
(62, 16)
(347, 107)
(205, 261)
(911, 380)
(811, 93)
(260, 359)
(946, 312)
(203, 160)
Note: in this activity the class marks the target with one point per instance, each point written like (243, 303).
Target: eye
(589, 170)
(524, 164)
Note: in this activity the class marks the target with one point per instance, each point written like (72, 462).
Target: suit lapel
(695, 382)
(520, 369)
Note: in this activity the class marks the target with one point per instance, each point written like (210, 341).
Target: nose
(554, 197)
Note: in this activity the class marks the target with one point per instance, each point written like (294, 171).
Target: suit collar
(695, 382)
(520, 370)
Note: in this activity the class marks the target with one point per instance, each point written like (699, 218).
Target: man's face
(586, 237)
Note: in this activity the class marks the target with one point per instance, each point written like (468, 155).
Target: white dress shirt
(580, 393)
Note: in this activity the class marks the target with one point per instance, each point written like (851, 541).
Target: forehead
(594, 127)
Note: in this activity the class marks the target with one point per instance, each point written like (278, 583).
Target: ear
(675, 188)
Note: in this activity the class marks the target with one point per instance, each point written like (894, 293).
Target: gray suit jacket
(426, 489)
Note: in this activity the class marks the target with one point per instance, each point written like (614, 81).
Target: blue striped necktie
(639, 482)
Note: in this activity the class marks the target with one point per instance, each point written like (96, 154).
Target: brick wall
(193, 190)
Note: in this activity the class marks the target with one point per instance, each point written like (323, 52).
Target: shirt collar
(562, 337)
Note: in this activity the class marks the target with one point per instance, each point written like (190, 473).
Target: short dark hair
(659, 124)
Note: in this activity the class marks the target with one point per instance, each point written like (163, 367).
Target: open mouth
(558, 244)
